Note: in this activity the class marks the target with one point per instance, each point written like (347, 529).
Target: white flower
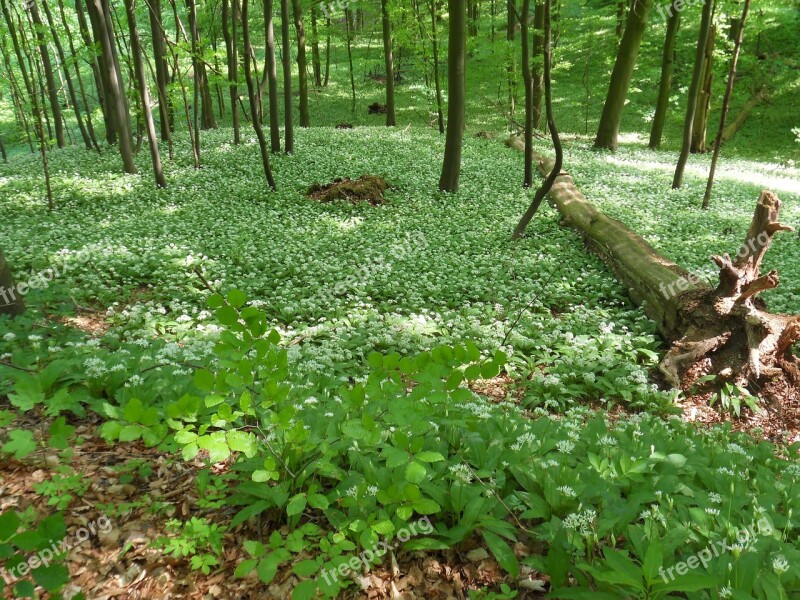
(353, 492)
(715, 498)
(567, 491)
(565, 446)
(462, 472)
(372, 490)
(725, 592)
(780, 565)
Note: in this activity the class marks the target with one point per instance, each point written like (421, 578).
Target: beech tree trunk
(11, 301)
(286, 59)
(252, 92)
(73, 96)
(537, 63)
(144, 94)
(388, 60)
(608, 130)
(166, 115)
(114, 92)
(726, 100)
(49, 78)
(316, 63)
(302, 68)
(665, 85)
(456, 88)
(271, 67)
(98, 70)
(724, 331)
(231, 47)
(694, 90)
(437, 81)
(700, 127)
(511, 27)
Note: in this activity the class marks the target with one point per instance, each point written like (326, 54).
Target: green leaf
(204, 380)
(51, 578)
(296, 505)
(502, 552)
(20, 443)
(215, 301)
(237, 298)
(415, 472)
(305, 568)
(624, 567)
(9, 523)
(653, 560)
(305, 590)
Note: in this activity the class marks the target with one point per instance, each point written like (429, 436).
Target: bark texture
(724, 331)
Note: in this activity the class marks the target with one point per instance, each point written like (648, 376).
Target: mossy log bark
(724, 330)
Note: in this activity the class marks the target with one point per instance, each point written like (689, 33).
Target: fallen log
(725, 330)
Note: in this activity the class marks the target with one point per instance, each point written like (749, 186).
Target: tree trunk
(252, 93)
(316, 63)
(700, 127)
(302, 70)
(694, 90)
(544, 189)
(78, 78)
(621, 6)
(327, 51)
(723, 331)
(73, 97)
(162, 69)
(437, 81)
(98, 71)
(114, 92)
(527, 78)
(348, 32)
(511, 27)
(231, 46)
(456, 87)
(286, 59)
(726, 101)
(608, 130)
(47, 66)
(665, 85)
(141, 80)
(536, 63)
(271, 66)
(11, 301)
(388, 60)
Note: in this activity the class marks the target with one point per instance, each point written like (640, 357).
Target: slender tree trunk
(141, 79)
(511, 27)
(230, 51)
(11, 300)
(726, 100)
(302, 68)
(456, 87)
(347, 20)
(76, 107)
(17, 94)
(391, 119)
(47, 67)
(700, 127)
(114, 91)
(78, 78)
(665, 85)
(316, 63)
(253, 95)
(527, 78)
(98, 70)
(271, 66)
(556, 169)
(161, 68)
(608, 130)
(327, 51)
(694, 89)
(3, 150)
(537, 63)
(286, 59)
(437, 82)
